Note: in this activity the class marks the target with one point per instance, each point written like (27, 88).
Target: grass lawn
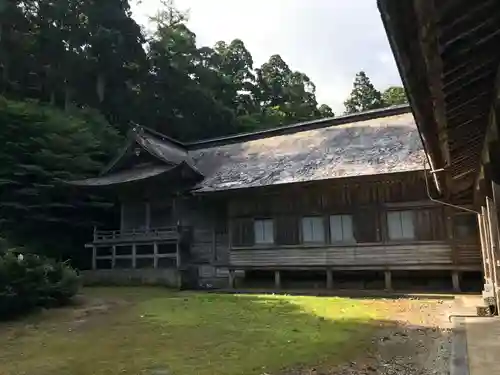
(156, 331)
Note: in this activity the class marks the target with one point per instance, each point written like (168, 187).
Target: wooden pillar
(455, 278)
(122, 216)
(147, 219)
(231, 279)
(494, 246)
(496, 253)
(277, 279)
(388, 280)
(134, 255)
(94, 256)
(179, 279)
(214, 242)
(482, 235)
(329, 278)
(487, 258)
(178, 259)
(113, 256)
(155, 254)
(449, 215)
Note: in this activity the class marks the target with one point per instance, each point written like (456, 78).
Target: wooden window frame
(301, 230)
(264, 244)
(467, 240)
(400, 240)
(343, 242)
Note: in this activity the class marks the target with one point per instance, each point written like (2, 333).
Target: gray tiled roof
(376, 146)
(370, 143)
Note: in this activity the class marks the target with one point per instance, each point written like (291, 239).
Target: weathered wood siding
(468, 254)
(360, 255)
(208, 221)
(368, 202)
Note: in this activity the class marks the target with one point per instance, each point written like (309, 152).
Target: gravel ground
(416, 339)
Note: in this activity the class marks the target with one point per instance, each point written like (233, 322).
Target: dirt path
(416, 339)
(418, 343)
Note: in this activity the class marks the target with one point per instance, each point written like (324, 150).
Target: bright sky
(329, 40)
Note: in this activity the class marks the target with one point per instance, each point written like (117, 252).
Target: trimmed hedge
(28, 281)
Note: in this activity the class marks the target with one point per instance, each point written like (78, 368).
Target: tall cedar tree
(42, 148)
(93, 54)
(363, 96)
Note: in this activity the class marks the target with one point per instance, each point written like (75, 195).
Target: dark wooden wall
(223, 226)
(368, 201)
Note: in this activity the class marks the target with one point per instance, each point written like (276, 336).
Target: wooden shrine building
(346, 194)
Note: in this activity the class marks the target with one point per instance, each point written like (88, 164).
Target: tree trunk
(67, 96)
(101, 87)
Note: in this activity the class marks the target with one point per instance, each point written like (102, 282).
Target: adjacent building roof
(382, 144)
(121, 177)
(375, 142)
(448, 56)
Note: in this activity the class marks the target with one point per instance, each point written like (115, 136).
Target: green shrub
(28, 281)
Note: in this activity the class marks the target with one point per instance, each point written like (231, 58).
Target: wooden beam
(469, 69)
(428, 32)
(452, 16)
(470, 97)
(487, 41)
(470, 33)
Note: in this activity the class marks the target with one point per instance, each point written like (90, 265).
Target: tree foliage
(93, 54)
(62, 62)
(394, 95)
(42, 148)
(363, 96)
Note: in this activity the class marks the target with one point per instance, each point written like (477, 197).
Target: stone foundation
(166, 276)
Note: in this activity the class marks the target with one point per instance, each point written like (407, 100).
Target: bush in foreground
(28, 281)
